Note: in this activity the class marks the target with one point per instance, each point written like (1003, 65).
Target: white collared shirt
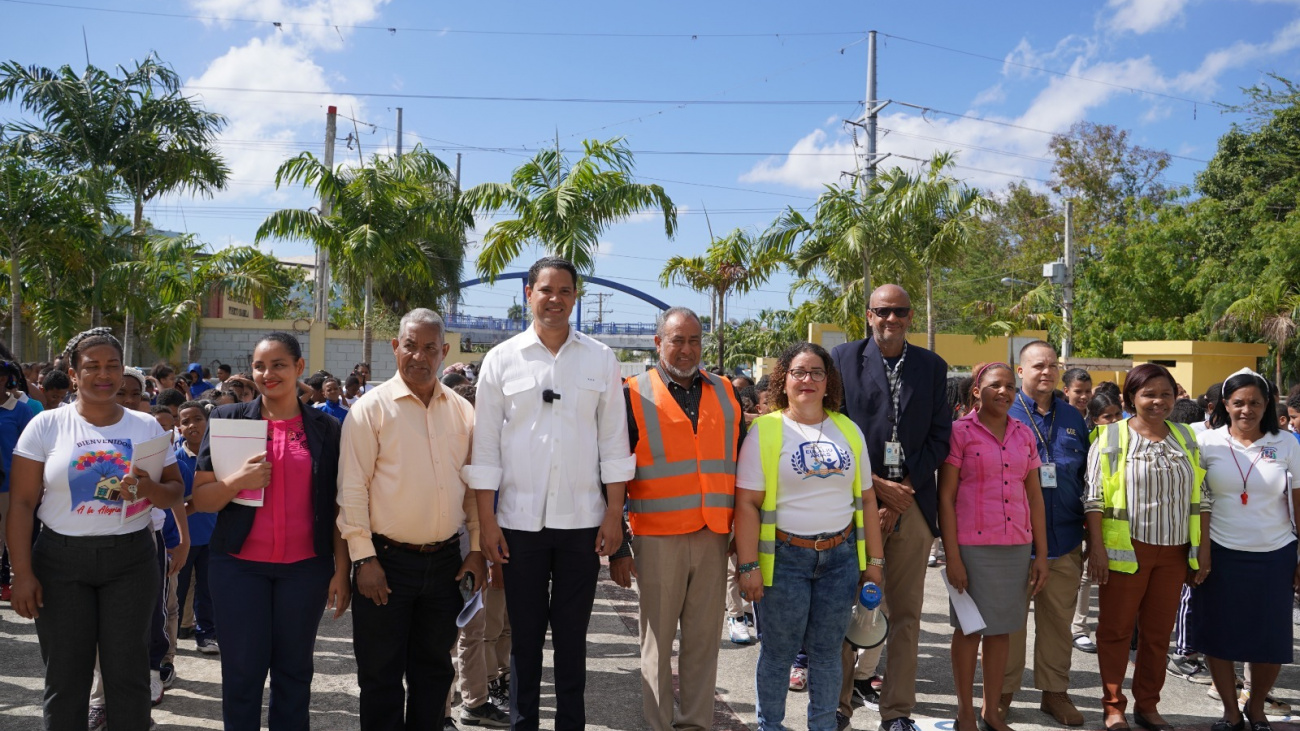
(548, 460)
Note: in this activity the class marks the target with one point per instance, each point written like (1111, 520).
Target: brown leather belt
(416, 547)
(816, 544)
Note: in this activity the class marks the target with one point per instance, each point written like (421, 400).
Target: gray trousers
(100, 594)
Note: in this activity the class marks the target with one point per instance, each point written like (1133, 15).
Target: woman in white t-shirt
(1241, 611)
(803, 544)
(93, 565)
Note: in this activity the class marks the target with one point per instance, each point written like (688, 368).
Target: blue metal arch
(523, 276)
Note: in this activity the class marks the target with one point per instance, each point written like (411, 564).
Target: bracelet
(747, 567)
(363, 561)
(876, 562)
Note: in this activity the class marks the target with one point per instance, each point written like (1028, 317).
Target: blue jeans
(269, 614)
(808, 604)
(196, 568)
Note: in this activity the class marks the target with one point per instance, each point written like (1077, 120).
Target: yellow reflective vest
(771, 430)
(1115, 531)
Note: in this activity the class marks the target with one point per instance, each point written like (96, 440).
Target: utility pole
(871, 111)
(322, 313)
(1067, 299)
(600, 305)
(399, 132)
(455, 294)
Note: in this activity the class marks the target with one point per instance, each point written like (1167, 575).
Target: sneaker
(155, 687)
(865, 695)
(1189, 668)
(1272, 706)
(185, 633)
(842, 722)
(6, 593)
(739, 631)
(753, 628)
(798, 679)
(934, 561)
(448, 724)
(168, 675)
(499, 692)
(901, 723)
(98, 719)
(1084, 643)
(484, 715)
(207, 646)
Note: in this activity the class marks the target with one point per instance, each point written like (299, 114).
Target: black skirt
(1242, 612)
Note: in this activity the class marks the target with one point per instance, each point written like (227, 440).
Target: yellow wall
(1197, 364)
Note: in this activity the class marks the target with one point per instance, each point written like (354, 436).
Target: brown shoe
(1004, 705)
(1058, 706)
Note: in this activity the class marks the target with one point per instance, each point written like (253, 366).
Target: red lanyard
(1245, 497)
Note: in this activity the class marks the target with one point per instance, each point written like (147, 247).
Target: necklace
(803, 433)
(1245, 476)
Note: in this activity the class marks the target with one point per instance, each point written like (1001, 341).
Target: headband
(980, 373)
(1266, 387)
(135, 373)
(92, 332)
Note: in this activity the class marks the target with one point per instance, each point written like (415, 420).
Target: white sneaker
(155, 687)
(739, 631)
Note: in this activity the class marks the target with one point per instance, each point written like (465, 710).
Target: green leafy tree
(394, 220)
(135, 133)
(564, 207)
(733, 264)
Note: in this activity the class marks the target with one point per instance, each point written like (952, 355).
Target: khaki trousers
(496, 633)
(906, 552)
(737, 606)
(471, 661)
(680, 579)
(1053, 639)
(1082, 604)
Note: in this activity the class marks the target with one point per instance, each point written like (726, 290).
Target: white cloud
(1144, 16)
(814, 161)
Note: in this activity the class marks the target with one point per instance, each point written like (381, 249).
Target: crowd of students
(766, 505)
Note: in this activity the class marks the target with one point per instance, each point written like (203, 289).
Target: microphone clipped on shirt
(548, 396)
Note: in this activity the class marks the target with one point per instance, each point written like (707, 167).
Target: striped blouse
(1158, 481)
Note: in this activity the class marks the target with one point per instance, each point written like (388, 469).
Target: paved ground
(613, 684)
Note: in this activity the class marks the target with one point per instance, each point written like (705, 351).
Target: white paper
(968, 615)
(233, 442)
(471, 608)
(146, 457)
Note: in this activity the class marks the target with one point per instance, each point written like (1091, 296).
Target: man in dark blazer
(895, 392)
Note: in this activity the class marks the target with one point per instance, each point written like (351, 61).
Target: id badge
(1047, 475)
(893, 454)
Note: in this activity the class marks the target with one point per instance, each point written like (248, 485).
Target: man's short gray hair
(672, 312)
(423, 316)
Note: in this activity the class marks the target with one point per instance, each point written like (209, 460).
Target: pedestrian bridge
(493, 330)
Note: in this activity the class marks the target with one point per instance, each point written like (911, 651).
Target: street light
(1013, 282)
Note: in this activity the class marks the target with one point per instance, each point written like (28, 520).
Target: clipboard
(147, 457)
(232, 442)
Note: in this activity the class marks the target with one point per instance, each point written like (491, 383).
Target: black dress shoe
(1148, 725)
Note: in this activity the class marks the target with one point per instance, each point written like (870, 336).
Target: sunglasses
(884, 312)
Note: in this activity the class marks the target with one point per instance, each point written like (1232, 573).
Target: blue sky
(1182, 54)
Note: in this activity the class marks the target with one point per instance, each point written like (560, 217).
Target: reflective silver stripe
(1196, 509)
(1110, 446)
(654, 434)
(1115, 513)
(857, 503)
(682, 502)
(685, 467)
(1115, 554)
(861, 533)
(767, 517)
(728, 416)
(1188, 440)
(766, 548)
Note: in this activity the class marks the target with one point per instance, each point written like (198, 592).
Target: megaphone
(869, 626)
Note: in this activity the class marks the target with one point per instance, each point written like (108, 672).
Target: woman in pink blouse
(990, 511)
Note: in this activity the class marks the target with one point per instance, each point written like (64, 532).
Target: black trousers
(550, 581)
(100, 593)
(411, 636)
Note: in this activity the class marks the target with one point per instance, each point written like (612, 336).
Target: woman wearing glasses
(801, 540)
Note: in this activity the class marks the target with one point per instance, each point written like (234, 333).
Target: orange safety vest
(685, 478)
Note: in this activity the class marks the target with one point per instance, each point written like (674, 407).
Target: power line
(1055, 73)
(776, 35)
(542, 99)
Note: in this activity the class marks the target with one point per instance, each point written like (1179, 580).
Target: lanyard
(1245, 476)
(895, 379)
(1051, 427)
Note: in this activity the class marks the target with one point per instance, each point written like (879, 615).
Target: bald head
(889, 295)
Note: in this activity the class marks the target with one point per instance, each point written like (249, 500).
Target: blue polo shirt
(201, 524)
(335, 410)
(14, 417)
(1066, 436)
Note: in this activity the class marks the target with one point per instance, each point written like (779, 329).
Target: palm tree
(1272, 312)
(937, 214)
(394, 220)
(563, 207)
(734, 263)
(136, 134)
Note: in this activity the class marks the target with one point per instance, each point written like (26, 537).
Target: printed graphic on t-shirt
(820, 459)
(95, 478)
(1269, 453)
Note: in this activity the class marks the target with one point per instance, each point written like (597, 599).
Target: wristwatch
(361, 562)
(876, 562)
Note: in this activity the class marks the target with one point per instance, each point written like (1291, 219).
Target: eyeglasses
(801, 375)
(884, 312)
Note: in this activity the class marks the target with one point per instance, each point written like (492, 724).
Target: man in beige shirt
(403, 507)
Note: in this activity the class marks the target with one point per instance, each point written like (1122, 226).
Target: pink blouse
(282, 527)
(992, 509)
